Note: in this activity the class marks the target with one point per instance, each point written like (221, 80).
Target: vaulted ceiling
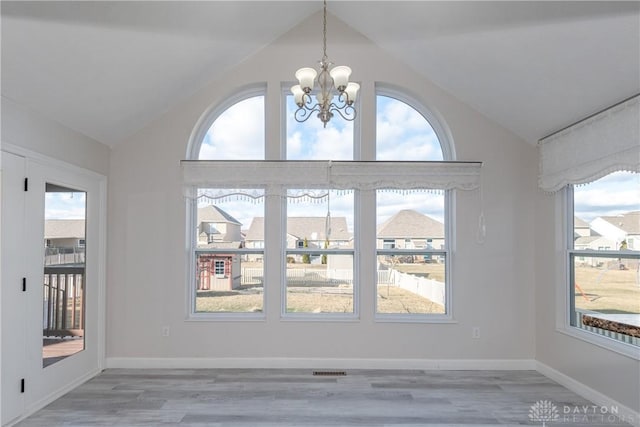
(105, 69)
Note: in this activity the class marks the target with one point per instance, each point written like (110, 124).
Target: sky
(403, 134)
(65, 205)
(614, 194)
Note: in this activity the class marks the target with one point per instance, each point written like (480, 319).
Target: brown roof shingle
(411, 224)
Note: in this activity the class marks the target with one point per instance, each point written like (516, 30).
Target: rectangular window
(388, 244)
(219, 268)
(411, 280)
(229, 249)
(604, 285)
(319, 273)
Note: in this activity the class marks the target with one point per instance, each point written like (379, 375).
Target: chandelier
(333, 84)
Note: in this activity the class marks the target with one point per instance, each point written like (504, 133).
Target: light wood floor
(285, 398)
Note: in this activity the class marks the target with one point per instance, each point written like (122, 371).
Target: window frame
(364, 201)
(354, 252)
(448, 253)
(202, 126)
(564, 307)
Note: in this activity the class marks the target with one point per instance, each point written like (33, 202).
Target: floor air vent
(329, 373)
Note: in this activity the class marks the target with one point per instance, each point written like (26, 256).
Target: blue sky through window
(615, 194)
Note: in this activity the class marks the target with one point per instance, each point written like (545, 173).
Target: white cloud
(237, 134)
(614, 194)
(403, 133)
(65, 205)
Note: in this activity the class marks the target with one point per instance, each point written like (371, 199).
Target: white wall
(23, 127)
(611, 374)
(493, 282)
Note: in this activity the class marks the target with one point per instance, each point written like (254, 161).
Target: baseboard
(36, 406)
(624, 412)
(311, 363)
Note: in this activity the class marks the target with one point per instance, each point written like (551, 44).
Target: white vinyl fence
(427, 288)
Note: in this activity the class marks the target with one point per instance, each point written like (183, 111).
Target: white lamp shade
(340, 76)
(306, 76)
(352, 91)
(297, 94)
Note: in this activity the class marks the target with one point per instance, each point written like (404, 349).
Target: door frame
(54, 170)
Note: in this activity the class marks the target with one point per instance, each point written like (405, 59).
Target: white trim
(611, 344)
(564, 208)
(588, 393)
(36, 406)
(50, 161)
(320, 363)
(98, 181)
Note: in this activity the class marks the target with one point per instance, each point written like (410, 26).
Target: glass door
(63, 308)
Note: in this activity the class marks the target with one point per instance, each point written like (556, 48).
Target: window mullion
(274, 250)
(365, 243)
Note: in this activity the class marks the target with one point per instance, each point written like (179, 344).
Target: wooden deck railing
(63, 305)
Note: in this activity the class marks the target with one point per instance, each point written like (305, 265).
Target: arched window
(310, 238)
(232, 136)
(412, 225)
(227, 237)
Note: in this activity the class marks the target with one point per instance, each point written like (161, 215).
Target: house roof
(213, 213)
(629, 222)
(305, 227)
(586, 240)
(64, 229)
(411, 224)
(579, 223)
(446, 42)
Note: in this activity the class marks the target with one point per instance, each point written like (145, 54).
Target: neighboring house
(64, 241)
(299, 229)
(409, 229)
(618, 228)
(581, 228)
(597, 243)
(218, 230)
(215, 225)
(64, 233)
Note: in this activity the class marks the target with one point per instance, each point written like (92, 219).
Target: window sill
(414, 318)
(611, 344)
(319, 317)
(226, 317)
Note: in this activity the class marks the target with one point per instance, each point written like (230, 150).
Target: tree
(324, 256)
(305, 257)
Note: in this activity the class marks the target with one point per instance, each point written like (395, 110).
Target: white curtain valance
(604, 143)
(339, 175)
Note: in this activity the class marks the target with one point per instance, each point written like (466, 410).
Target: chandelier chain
(324, 33)
(336, 94)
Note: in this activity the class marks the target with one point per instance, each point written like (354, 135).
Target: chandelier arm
(348, 112)
(303, 113)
